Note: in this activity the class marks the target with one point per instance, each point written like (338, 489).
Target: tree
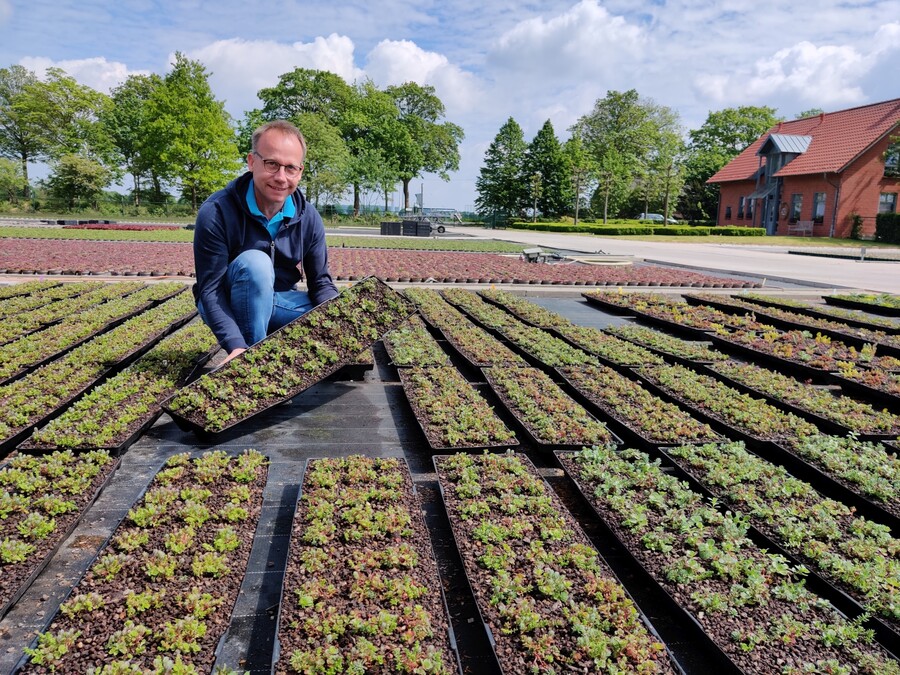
(581, 168)
(432, 145)
(21, 136)
(499, 184)
(191, 131)
(69, 115)
(612, 183)
(375, 138)
(620, 124)
(812, 112)
(327, 162)
(719, 139)
(126, 122)
(535, 190)
(663, 171)
(77, 181)
(545, 157)
(308, 91)
(12, 180)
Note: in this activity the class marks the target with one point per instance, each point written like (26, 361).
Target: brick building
(812, 175)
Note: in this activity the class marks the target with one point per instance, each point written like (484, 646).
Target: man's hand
(233, 353)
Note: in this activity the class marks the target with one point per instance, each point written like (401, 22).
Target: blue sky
(488, 59)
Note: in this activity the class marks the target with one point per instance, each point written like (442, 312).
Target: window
(750, 203)
(892, 160)
(741, 208)
(727, 213)
(887, 202)
(796, 207)
(818, 207)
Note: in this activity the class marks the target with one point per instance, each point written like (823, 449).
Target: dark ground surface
(334, 418)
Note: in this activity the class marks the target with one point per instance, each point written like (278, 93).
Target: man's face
(273, 188)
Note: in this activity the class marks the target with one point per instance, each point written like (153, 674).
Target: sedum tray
(291, 359)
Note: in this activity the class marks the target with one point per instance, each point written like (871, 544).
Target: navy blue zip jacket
(225, 228)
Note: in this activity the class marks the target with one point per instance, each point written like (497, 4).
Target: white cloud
(585, 41)
(95, 72)
(240, 68)
(826, 75)
(397, 61)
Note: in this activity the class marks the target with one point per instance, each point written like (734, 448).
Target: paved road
(771, 262)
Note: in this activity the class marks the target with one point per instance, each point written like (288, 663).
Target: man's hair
(284, 127)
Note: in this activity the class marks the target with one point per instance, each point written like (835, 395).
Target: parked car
(655, 216)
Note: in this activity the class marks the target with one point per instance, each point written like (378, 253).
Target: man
(255, 239)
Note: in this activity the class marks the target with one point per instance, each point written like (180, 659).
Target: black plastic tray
(454, 448)
(790, 324)
(75, 522)
(609, 307)
(826, 483)
(186, 424)
(644, 620)
(49, 620)
(886, 635)
(622, 427)
(451, 636)
(725, 664)
(813, 312)
(717, 423)
(875, 396)
(864, 306)
(823, 423)
(784, 365)
(536, 442)
(101, 377)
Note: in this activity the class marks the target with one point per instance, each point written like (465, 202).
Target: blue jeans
(257, 307)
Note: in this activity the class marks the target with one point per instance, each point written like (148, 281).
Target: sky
(488, 60)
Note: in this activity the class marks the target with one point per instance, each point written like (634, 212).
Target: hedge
(671, 230)
(887, 228)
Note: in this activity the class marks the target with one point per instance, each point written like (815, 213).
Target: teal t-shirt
(287, 212)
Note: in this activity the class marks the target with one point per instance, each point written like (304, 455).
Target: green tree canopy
(499, 183)
(624, 133)
(303, 90)
(12, 180)
(69, 115)
(544, 157)
(126, 122)
(430, 144)
(375, 138)
(77, 181)
(582, 169)
(21, 136)
(663, 174)
(191, 131)
(327, 162)
(812, 112)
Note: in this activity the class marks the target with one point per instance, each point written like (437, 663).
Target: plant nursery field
(447, 481)
(349, 260)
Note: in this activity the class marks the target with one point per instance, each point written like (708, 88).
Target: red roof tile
(837, 139)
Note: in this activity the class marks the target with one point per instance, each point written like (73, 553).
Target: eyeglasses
(290, 170)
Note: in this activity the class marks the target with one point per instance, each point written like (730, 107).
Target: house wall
(808, 186)
(730, 196)
(860, 186)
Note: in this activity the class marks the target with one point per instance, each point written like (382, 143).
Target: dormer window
(892, 160)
